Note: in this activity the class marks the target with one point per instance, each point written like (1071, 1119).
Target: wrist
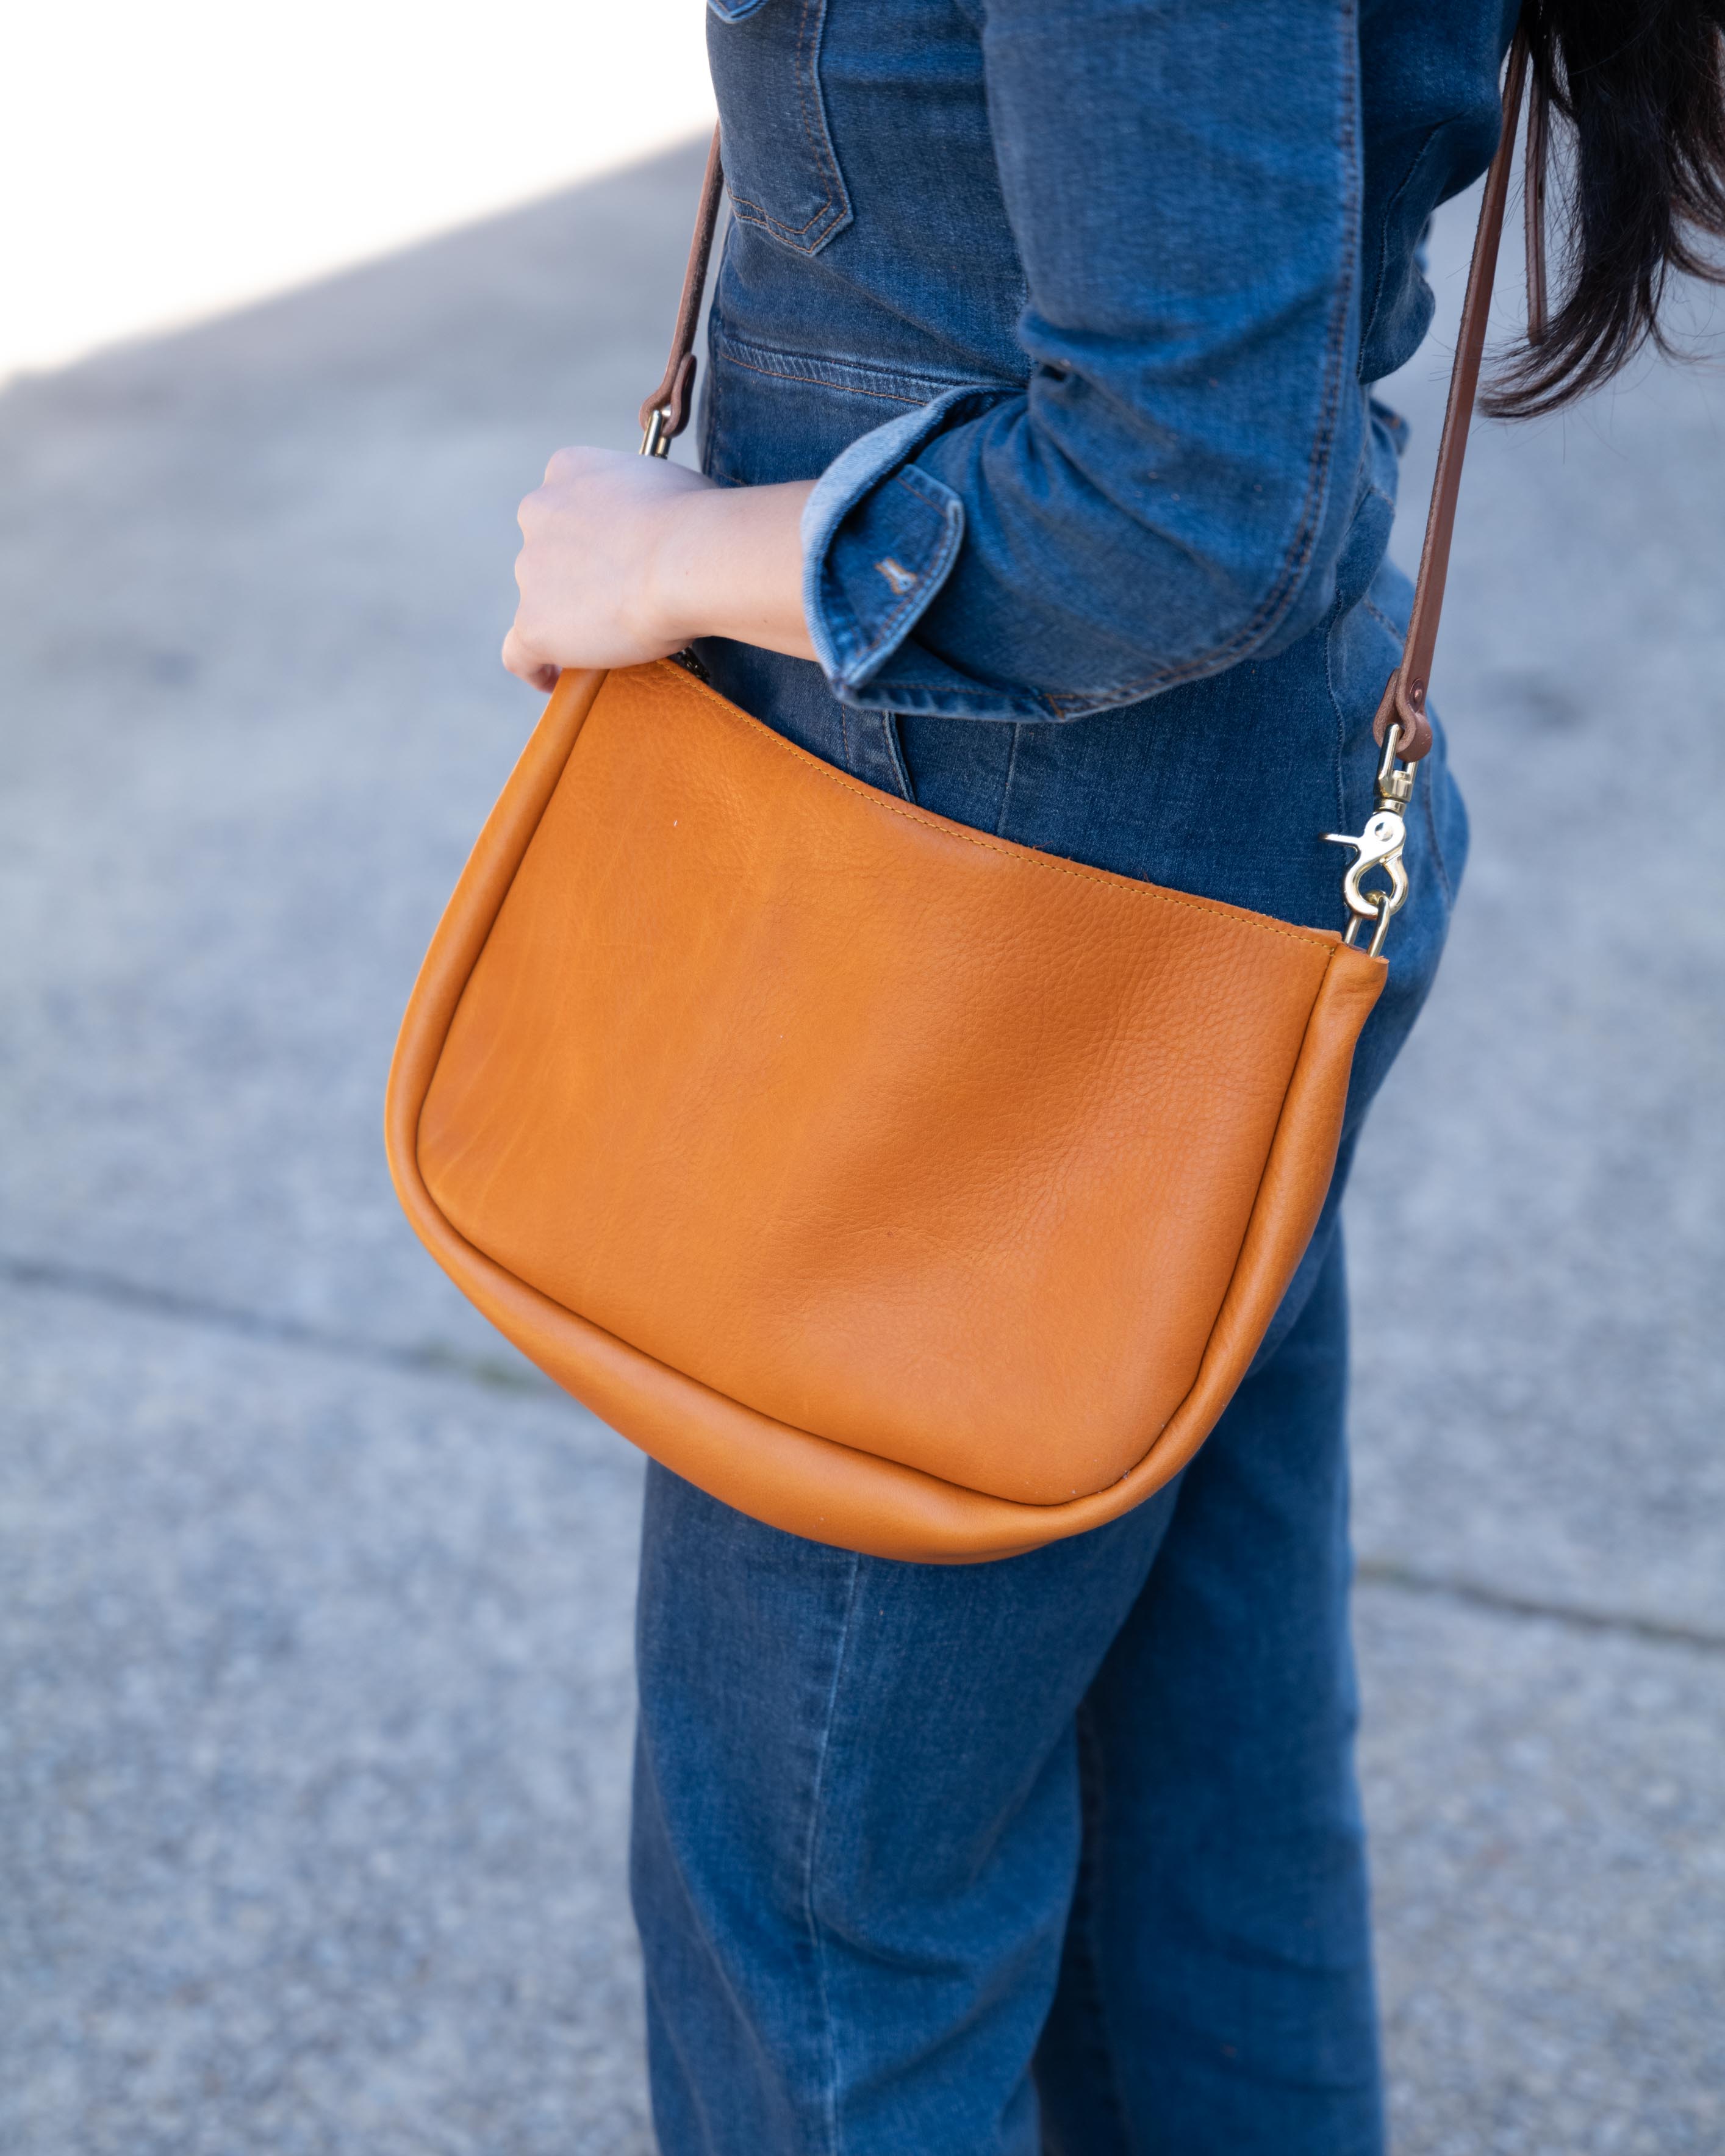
(677, 582)
(728, 561)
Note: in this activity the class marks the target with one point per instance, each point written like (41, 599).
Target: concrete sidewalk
(314, 1736)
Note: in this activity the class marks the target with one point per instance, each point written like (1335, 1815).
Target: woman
(1043, 487)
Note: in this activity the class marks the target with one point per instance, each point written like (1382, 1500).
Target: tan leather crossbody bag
(912, 1190)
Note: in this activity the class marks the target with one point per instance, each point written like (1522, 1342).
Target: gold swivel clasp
(1378, 846)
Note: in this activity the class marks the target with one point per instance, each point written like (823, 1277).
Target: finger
(527, 664)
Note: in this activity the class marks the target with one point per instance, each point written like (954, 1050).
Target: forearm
(729, 564)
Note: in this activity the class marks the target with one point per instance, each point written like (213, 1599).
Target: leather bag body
(909, 1189)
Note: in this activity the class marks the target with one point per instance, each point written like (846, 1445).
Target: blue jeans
(1059, 1854)
(1062, 1853)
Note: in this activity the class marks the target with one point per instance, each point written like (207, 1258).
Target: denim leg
(1216, 1991)
(860, 1809)
(857, 1829)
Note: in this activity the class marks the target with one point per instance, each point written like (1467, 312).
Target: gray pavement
(314, 1683)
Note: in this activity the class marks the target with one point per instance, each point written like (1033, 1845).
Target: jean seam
(896, 754)
(1368, 322)
(1437, 851)
(1012, 765)
(970, 696)
(1342, 817)
(835, 202)
(808, 81)
(715, 1959)
(1094, 2013)
(828, 2027)
(897, 385)
(711, 417)
(845, 388)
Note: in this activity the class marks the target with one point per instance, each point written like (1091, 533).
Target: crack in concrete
(432, 1359)
(1477, 1594)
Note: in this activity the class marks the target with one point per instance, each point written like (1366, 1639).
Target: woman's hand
(627, 558)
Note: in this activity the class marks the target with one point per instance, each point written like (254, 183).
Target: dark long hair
(1641, 87)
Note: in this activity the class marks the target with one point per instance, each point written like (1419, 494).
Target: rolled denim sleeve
(1170, 492)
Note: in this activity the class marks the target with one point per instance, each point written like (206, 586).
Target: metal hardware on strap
(1401, 725)
(665, 412)
(1379, 846)
(656, 441)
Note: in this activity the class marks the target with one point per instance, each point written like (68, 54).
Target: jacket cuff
(879, 537)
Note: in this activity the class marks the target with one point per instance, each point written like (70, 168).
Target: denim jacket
(1098, 289)
(1071, 309)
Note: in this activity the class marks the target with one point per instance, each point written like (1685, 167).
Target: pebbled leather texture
(910, 1189)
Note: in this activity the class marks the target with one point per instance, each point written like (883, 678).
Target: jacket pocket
(778, 156)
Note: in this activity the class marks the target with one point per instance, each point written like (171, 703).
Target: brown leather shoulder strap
(1406, 697)
(665, 412)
